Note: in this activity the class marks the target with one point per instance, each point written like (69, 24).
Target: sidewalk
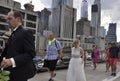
(98, 75)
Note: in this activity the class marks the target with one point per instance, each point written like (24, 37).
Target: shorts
(113, 60)
(108, 60)
(51, 64)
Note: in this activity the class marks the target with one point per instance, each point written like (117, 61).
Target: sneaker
(50, 79)
(114, 74)
(111, 74)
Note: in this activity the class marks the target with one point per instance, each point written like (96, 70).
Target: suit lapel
(14, 35)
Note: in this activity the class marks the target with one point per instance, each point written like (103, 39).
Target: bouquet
(4, 75)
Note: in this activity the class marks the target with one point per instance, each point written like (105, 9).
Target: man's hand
(6, 63)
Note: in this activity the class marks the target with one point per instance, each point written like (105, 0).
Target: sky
(110, 10)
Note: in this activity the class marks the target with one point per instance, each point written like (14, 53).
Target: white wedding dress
(76, 67)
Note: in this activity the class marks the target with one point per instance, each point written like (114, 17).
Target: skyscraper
(69, 2)
(84, 9)
(95, 21)
(96, 17)
(56, 3)
(44, 20)
(111, 33)
(63, 18)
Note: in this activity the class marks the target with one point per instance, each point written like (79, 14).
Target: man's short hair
(18, 14)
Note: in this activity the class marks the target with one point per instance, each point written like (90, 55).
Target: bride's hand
(82, 61)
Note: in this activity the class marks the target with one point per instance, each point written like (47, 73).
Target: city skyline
(106, 15)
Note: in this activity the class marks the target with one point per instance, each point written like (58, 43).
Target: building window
(28, 24)
(4, 27)
(33, 31)
(2, 19)
(31, 17)
(4, 10)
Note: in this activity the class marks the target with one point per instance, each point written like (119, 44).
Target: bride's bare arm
(83, 55)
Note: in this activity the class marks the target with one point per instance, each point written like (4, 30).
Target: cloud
(112, 8)
(47, 3)
(38, 6)
(108, 4)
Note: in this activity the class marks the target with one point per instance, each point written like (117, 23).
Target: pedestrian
(76, 65)
(95, 56)
(114, 55)
(19, 50)
(107, 57)
(53, 53)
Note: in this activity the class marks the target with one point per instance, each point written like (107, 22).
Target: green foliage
(4, 75)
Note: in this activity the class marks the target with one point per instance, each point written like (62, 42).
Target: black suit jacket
(20, 46)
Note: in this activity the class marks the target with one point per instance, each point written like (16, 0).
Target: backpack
(56, 46)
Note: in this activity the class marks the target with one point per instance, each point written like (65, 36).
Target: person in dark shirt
(114, 53)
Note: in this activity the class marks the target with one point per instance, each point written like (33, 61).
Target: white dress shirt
(12, 59)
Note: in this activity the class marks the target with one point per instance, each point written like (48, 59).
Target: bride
(76, 65)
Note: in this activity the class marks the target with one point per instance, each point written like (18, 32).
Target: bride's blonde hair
(76, 42)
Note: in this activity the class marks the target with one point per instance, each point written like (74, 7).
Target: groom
(19, 50)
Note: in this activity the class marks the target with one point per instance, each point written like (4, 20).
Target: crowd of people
(19, 52)
(76, 65)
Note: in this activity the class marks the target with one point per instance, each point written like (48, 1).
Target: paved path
(98, 75)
